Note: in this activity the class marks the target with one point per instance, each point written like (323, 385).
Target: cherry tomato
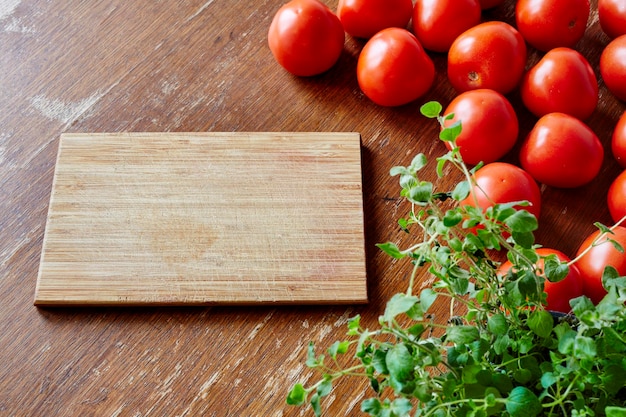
(616, 197)
(613, 66)
(306, 37)
(612, 16)
(501, 182)
(490, 4)
(559, 293)
(364, 18)
(548, 24)
(437, 23)
(618, 141)
(489, 125)
(489, 55)
(393, 68)
(561, 151)
(591, 265)
(562, 81)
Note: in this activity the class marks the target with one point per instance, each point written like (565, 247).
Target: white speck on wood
(7, 7)
(65, 112)
(258, 327)
(16, 26)
(200, 10)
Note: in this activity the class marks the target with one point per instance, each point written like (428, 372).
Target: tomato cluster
(486, 60)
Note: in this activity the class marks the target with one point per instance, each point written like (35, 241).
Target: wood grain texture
(205, 218)
(72, 66)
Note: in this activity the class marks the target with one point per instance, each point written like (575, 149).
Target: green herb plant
(504, 355)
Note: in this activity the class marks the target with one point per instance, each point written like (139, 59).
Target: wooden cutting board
(205, 218)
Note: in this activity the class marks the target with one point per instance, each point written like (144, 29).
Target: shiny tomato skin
(591, 265)
(393, 69)
(612, 16)
(490, 4)
(616, 197)
(562, 81)
(501, 182)
(618, 141)
(561, 151)
(548, 24)
(365, 18)
(489, 125)
(559, 293)
(489, 55)
(613, 66)
(306, 37)
(437, 23)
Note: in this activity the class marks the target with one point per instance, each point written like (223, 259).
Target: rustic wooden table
(195, 66)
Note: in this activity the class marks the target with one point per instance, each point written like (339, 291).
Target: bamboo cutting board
(205, 218)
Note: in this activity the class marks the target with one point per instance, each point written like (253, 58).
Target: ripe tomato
(489, 4)
(489, 125)
(437, 23)
(562, 81)
(364, 18)
(618, 141)
(616, 197)
(612, 16)
(548, 24)
(501, 182)
(489, 55)
(561, 151)
(559, 293)
(306, 37)
(613, 66)
(393, 68)
(591, 265)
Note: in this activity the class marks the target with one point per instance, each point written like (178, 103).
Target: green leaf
(525, 240)
(391, 249)
(398, 304)
(614, 378)
(497, 324)
(421, 193)
(418, 162)
(462, 335)
(522, 402)
(580, 305)
(554, 269)
(548, 379)
(372, 406)
(316, 405)
(461, 191)
(338, 348)
(432, 109)
(354, 324)
(451, 132)
(585, 347)
(399, 361)
(325, 387)
(613, 411)
(399, 170)
(522, 222)
(452, 218)
(311, 360)
(427, 298)
(541, 323)
(297, 395)
(401, 406)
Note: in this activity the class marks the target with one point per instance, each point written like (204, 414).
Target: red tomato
(489, 4)
(561, 151)
(612, 16)
(489, 55)
(618, 141)
(591, 265)
(437, 23)
(489, 125)
(616, 198)
(501, 182)
(613, 66)
(393, 68)
(548, 24)
(306, 37)
(559, 293)
(562, 81)
(364, 18)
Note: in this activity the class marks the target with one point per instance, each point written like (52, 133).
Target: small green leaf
(391, 249)
(522, 402)
(526, 240)
(461, 191)
(316, 405)
(432, 109)
(311, 360)
(421, 193)
(297, 395)
(554, 269)
(452, 218)
(580, 305)
(451, 132)
(548, 379)
(585, 347)
(497, 324)
(427, 298)
(418, 162)
(613, 411)
(401, 406)
(522, 222)
(338, 348)
(325, 387)
(399, 170)
(398, 304)
(462, 335)
(354, 324)
(399, 361)
(372, 406)
(541, 323)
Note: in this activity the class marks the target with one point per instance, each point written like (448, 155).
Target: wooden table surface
(200, 66)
